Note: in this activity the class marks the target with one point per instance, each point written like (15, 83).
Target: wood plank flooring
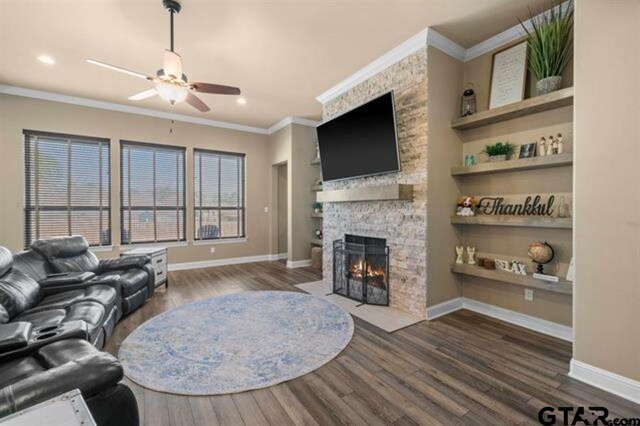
(463, 368)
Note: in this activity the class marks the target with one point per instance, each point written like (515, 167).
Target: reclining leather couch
(61, 367)
(132, 277)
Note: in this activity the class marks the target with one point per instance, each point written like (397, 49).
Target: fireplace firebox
(361, 269)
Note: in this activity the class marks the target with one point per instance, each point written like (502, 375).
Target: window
(152, 193)
(219, 195)
(67, 187)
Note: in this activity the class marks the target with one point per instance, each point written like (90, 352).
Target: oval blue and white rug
(236, 342)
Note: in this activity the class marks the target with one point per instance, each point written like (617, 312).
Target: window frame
(124, 142)
(198, 208)
(32, 174)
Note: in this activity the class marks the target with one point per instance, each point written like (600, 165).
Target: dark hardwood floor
(463, 368)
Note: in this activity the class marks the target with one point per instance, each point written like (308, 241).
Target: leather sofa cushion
(17, 369)
(67, 254)
(33, 264)
(6, 260)
(131, 280)
(59, 353)
(65, 279)
(18, 292)
(104, 295)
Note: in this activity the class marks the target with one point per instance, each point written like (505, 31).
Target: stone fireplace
(401, 223)
(361, 269)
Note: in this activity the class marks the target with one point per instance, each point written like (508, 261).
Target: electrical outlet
(528, 295)
(213, 249)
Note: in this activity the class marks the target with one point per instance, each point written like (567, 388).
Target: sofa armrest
(91, 374)
(66, 278)
(151, 273)
(14, 335)
(123, 263)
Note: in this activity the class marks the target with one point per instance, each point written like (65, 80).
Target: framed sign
(508, 75)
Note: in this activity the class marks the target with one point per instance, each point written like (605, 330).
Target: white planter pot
(549, 84)
(497, 158)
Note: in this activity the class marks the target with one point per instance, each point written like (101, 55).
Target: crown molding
(428, 37)
(292, 120)
(92, 103)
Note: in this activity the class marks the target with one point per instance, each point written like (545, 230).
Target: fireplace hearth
(361, 269)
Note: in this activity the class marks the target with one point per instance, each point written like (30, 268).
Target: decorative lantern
(468, 104)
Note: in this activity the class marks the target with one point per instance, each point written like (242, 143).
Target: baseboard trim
(298, 263)
(549, 328)
(444, 308)
(605, 380)
(220, 262)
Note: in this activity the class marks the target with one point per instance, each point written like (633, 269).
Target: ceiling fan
(170, 83)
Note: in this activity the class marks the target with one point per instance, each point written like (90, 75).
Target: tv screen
(361, 142)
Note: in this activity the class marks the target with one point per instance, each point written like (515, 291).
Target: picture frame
(508, 75)
(528, 150)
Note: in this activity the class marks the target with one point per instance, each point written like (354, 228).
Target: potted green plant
(499, 151)
(550, 45)
(317, 207)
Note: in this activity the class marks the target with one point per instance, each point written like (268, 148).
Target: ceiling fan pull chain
(171, 25)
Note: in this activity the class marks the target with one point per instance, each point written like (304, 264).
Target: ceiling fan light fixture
(172, 93)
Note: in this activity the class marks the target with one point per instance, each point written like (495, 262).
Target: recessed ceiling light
(46, 59)
(241, 101)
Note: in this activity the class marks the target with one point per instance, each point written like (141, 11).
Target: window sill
(99, 249)
(158, 244)
(214, 242)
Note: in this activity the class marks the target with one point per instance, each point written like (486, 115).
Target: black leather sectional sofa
(58, 305)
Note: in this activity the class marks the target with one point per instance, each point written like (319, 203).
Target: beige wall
(607, 173)
(443, 151)
(17, 113)
(512, 243)
(293, 145)
(283, 217)
(303, 176)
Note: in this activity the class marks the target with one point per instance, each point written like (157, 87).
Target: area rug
(235, 342)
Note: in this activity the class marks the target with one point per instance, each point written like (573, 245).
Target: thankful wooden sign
(523, 205)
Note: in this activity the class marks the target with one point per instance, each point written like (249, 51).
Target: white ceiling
(281, 53)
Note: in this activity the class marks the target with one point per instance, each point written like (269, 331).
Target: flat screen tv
(361, 142)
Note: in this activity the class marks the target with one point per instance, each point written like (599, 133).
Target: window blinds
(152, 193)
(67, 187)
(219, 206)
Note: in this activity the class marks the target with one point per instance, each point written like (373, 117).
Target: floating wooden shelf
(565, 287)
(557, 99)
(393, 192)
(316, 188)
(316, 242)
(521, 221)
(557, 160)
(316, 215)
(315, 162)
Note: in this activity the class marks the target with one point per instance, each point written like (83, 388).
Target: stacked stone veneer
(402, 223)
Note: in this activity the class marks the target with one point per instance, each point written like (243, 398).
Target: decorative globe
(540, 253)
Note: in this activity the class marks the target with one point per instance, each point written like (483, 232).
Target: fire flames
(376, 275)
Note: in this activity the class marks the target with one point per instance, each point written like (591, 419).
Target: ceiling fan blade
(122, 70)
(172, 64)
(217, 89)
(143, 95)
(195, 102)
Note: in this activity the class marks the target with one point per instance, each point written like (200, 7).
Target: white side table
(67, 409)
(159, 261)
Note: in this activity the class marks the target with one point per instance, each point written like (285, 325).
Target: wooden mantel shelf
(394, 192)
(557, 99)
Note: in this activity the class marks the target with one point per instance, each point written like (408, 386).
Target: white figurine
(459, 253)
(560, 143)
(550, 145)
(542, 150)
(471, 255)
